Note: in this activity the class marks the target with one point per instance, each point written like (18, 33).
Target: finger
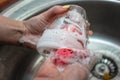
(88, 24)
(48, 69)
(55, 11)
(29, 40)
(37, 78)
(90, 32)
(76, 72)
(57, 78)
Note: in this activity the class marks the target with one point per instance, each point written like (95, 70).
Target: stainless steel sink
(20, 63)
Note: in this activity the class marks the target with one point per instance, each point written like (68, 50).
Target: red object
(65, 52)
(59, 62)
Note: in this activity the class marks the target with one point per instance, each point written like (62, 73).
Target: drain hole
(105, 66)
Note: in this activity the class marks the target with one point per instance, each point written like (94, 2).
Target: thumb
(55, 11)
(48, 69)
(76, 71)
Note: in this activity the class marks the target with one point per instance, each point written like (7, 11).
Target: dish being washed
(65, 40)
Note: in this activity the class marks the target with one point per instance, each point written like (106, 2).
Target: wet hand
(49, 71)
(34, 27)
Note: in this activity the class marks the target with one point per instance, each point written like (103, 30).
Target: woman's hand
(49, 71)
(35, 26)
(29, 31)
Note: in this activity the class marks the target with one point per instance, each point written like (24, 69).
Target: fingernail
(66, 6)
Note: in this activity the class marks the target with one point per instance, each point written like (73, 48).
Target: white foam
(69, 33)
(59, 38)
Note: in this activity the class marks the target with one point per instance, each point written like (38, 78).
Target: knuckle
(55, 9)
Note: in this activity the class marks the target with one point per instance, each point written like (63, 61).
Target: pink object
(65, 53)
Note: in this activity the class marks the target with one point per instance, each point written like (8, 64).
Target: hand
(35, 26)
(48, 71)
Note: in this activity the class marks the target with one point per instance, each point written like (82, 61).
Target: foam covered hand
(49, 71)
(35, 26)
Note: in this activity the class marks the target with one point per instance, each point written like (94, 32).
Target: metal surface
(106, 65)
(103, 15)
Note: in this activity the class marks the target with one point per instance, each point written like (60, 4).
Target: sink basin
(104, 17)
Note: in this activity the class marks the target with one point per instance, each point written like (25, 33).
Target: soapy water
(64, 41)
(64, 57)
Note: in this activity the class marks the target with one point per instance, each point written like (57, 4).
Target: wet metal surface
(104, 18)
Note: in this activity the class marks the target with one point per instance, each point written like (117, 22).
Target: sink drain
(108, 65)
(105, 66)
